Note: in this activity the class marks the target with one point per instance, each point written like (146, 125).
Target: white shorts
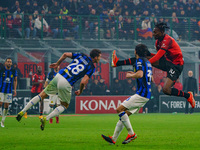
(54, 99)
(134, 103)
(59, 85)
(6, 97)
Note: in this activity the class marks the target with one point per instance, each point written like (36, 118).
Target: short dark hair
(7, 59)
(162, 26)
(94, 53)
(141, 50)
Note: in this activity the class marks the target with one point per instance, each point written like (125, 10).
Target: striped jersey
(80, 66)
(7, 79)
(144, 83)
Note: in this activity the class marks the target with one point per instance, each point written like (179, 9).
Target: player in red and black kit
(168, 58)
(38, 80)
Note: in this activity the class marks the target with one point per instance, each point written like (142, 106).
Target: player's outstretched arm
(158, 55)
(129, 61)
(136, 75)
(63, 57)
(84, 81)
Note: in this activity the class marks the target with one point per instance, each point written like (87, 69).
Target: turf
(155, 131)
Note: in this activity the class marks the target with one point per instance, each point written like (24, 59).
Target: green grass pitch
(155, 131)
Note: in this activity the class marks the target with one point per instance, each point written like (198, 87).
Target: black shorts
(173, 71)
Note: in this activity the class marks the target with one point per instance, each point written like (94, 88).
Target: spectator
(35, 7)
(190, 84)
(99, 9)
(157, 2)
(29, 26)
(197, 11)
(15, 6)
(45, 8)
(189, 12)
(39, 22)
(72, 28)
(146, 31)
(116, 87)
(120, 27)
(178, 85)
(17, 25)
(103, 15)
(93, 24)
(55, 26)
(157, 11)
(9, 24)
(55, 9)
(110, 4)
(64, 10)
(128, 29)
(103, 87)
(106, 28)
(95, 90)
(129, 87)
(81, 9)
(27, 8)
(124, 9)
(194, 29)
(35, 15)
(73, 7)
(19, 75)
(165, 11)
(18, 12)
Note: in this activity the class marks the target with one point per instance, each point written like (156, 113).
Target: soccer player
(8, 78)
(133, 104)
(81, 66)
(38, 80)
(53, 99)
(168, 58)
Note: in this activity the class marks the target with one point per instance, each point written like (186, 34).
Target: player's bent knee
(65, 104)
(166, 91)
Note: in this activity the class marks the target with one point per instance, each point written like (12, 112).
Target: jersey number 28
(75, 67)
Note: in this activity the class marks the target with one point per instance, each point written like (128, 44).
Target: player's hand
(15, 93)
(195, 94)
(78, 92)
(54, 65)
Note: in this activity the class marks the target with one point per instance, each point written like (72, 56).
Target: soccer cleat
(57, 119)
(43, 122)
(40, 117)
(19, 115)
(2, 124)
(114, 59)
(129, 138)
(108, 139)
(191, 100)
(51, 121)
(25, 115)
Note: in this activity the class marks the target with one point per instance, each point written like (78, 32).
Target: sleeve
(159, 54)
(74, 55)
(139, 65)
(90, 71)
(15, 73)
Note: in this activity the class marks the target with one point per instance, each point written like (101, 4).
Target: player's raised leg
(31, 103)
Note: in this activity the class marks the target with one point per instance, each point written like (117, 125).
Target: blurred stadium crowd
(99, 19)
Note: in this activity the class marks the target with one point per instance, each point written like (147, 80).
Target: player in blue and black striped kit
(81, 66)
(8, 78)
(143, 74)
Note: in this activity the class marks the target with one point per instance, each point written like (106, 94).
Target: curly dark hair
(162, 26)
